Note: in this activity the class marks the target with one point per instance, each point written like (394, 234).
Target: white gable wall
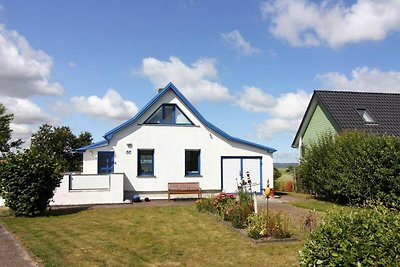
(169, 143)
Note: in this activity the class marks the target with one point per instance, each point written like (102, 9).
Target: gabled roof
(384, 108)
(108, 136)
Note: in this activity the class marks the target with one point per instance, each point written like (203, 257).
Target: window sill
(193, 175)
(146, 176)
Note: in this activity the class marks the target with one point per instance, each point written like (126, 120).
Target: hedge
(362, 237)
(353, 167)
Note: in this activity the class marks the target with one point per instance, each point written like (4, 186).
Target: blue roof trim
(95, 145)
(108, 136)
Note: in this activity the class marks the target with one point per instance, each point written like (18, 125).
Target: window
(145, 162)
(168, 114)
(105, 162)
(365, 115)
(192, 162)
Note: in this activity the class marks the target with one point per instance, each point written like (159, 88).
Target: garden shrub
(28, 181)
(222, 202)
(229, 207)
(268, 224)
(206, 205)
(238, 213)
(361, 237)
(352, 167)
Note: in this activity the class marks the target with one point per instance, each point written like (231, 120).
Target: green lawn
(312, 203)
(286, 175)
(144, 236)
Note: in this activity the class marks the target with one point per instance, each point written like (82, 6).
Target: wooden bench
(184, 188)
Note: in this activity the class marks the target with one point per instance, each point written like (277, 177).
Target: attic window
(168, 114)
(365, 115)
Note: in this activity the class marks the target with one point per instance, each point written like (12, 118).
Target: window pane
(169, 114)
(105, 162)
(156, 118)
(180, 117)
(365, 115)
(192, 158)
(145, 164)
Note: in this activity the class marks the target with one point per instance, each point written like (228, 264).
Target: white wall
(114, 194)
(1, 201)
(169, 144)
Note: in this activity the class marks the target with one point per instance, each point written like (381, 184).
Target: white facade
(169, 142)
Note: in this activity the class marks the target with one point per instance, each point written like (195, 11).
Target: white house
(167, 141)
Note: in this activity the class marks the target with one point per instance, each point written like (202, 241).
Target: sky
(249, 67)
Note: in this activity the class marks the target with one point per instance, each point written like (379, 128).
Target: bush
(222, 202)
(352, 167)
(229, 207)
(277, 173)
(272, 224)
(28, 181)
(284, 186)
(206, 205)
(363, 237)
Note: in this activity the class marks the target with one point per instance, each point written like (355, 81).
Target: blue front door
(105, 162)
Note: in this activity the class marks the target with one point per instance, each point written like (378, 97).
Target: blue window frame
(168, 114)
(105, 162)
(145, 162)
(192, 162)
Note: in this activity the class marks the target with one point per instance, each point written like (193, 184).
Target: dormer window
(168, 114)
(365, 115)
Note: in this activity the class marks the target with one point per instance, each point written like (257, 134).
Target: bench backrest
(184, 186)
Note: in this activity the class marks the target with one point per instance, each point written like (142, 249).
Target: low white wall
(94, 181)
(87, 192)
(1, 201)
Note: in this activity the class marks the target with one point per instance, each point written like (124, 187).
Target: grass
(312, 203)
(286, 175)
(144, 236)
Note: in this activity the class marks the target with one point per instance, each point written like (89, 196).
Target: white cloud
(307, 23)
(288, 105)
(254, 99)
(27, 116)
(197, 82)
(269, 127)
(21, 131)
(71, 64)
(111, 106)
(24, 71)
(286, 110)
(236, 42)
(363, 79)
(25, 111)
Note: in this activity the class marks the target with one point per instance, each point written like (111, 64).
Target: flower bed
(238, 210)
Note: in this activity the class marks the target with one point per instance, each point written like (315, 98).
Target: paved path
(11, 252)
(298, 215)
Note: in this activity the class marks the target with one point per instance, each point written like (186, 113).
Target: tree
(28, 180)
(5, 131)
(62, 142)
(277, 173)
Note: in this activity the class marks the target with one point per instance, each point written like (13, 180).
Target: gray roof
(384, 108)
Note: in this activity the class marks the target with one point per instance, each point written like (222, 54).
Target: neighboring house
(335, 111)
(168, 141)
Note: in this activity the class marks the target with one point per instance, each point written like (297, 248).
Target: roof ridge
(355, 92)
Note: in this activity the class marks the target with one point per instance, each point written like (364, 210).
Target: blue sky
(249, 67)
